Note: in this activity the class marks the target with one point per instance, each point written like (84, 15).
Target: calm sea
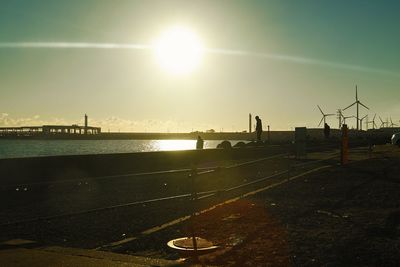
(33, 148)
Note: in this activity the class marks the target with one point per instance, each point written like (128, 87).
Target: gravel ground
(341, 216)
(98, 228)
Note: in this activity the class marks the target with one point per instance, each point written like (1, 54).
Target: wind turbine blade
(381, 119)
(320, 110)
(350, 105)
(330, 114)
(374, 117)
(363, 105)
(320, 121)
(363, 117)
(356, 93)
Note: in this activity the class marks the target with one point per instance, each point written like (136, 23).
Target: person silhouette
(327, 130)
(199, 143)
(258, 128)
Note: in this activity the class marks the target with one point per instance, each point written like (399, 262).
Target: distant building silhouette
(250, 122)
(86, 123)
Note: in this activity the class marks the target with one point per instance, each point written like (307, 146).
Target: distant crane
(323, 116)
(357, 102)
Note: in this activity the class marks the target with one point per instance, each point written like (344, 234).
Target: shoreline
(276, 136)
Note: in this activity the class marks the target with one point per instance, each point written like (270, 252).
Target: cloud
(305, 61)
(220, 51)
(72, 45)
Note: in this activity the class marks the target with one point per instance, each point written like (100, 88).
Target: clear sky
(294, 55)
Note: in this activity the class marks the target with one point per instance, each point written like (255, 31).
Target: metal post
(193, 175)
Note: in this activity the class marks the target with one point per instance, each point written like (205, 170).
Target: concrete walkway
(71, 257)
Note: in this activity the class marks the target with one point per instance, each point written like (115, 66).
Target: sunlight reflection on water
(33, 148)
(168, 145)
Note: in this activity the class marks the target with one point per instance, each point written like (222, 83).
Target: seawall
(34, 169)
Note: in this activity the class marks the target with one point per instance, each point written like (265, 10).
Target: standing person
(199, 143)
(258, 128)
(327, 130)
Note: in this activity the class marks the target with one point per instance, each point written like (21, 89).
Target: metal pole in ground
(193, 175)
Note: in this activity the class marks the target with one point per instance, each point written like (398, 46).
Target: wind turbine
(373, 122)
(347, 117)
(382, 123)
(323, 116)
(392, 124)
(361, 120)
(358, 103)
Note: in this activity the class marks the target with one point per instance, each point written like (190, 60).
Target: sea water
(35, 148)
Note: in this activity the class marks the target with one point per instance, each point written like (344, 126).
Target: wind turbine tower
(382, 123)
(357, 103)
(339, 116)
(361, 120)
(391, 123)
(373, 122)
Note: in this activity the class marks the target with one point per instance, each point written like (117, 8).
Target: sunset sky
(276, 59)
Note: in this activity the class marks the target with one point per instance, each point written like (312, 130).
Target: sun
(178, 50)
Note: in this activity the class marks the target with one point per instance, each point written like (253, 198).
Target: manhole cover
(185, 244)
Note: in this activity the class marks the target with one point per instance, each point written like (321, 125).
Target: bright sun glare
(178, 50)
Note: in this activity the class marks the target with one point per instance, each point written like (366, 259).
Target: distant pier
(65, 131)
(48, 130)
